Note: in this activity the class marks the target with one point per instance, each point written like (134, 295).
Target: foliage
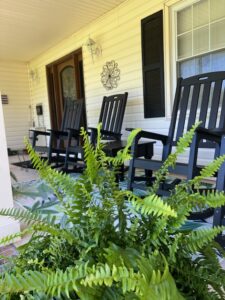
(113, 244)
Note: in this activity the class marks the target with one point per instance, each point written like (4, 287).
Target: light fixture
(34, 76)
(93, 48)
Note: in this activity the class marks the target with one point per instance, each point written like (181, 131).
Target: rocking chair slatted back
(202, 98)
(112, 112)
(72, 114)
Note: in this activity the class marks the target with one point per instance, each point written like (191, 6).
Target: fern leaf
(182, 144)
(213, 198)
(151, 204)
(36, 222)
(124, 154)
(103, 274)
(52, 283)
(26, 216)
(12, 237)
(209, 170)
(201, 237)
(58, 181)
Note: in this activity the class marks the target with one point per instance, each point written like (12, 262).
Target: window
(153, 65)
(200, 38)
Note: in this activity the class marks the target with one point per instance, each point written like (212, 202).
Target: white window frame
(172, 7)
(173, 40)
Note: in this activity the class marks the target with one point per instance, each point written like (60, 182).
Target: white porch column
(7, 225)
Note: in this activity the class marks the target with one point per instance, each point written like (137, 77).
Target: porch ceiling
(30, 27)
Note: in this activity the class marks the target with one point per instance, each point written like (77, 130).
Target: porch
(189, 37)
(150, 43)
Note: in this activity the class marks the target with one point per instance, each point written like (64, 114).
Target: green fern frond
(12, 237)
(92, 165)
(28, 281)
(26, 216)
(37, 222)
(213, 198)
(182, 144)
(209, 170)
(201, 237)
(124, 154)
(160, 286)
(119, 256)
(52, 283)
(60, 281)
(104, 275)
(151, 204)
(156, 284)
(61, 184)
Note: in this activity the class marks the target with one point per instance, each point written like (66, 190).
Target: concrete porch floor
(22, 174)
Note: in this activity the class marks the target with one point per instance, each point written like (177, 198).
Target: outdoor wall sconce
(93, 48)
(34, 76)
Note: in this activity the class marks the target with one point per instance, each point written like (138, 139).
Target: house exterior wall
(7, 225)
(119, 34)
(14, 83)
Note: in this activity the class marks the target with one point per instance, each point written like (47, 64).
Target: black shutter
(153, 65)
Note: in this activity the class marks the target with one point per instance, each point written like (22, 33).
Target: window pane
(68, 83)
(184, 20)
(184, 46)
(218, 61)
(204, 64)
(200, 14)
(217, 9)
(217, 36)
(188, 68)
(201, 40)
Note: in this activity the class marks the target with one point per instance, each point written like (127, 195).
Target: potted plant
(112, 244)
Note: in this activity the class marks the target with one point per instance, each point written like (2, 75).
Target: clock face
(110, 75)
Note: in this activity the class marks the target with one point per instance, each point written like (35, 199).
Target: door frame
(54, 90)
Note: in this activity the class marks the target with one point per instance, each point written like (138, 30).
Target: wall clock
(110, 75)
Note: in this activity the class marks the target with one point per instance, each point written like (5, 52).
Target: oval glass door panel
(68, 83)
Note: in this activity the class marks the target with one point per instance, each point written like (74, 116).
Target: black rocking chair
(202, 98)
(58, 139)
(111, 117)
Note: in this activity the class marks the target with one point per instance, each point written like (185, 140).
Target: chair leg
(219, 212)
(50, 149)
(34, 140)
(66, 162)
(148, 173)
(192, 171)
(131, 175)
(131, 171)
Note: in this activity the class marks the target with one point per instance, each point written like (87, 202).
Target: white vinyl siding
(119, 34)
(17, 113)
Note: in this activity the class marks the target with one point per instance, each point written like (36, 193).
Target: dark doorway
(65, 81)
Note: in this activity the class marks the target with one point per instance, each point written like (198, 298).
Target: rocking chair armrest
(58, 133)
(150, 135)
(74, 132)
(111, 134)
(92, 129)
(105, 132)
(39, 132)
(93, 134)
(210, 134)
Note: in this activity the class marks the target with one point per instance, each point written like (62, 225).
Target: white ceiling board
(30, 27)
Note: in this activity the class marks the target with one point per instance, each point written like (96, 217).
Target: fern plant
(112, 244)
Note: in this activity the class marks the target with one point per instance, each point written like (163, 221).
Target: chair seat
(154, 165)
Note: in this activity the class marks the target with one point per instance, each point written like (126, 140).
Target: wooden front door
(65, 81)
